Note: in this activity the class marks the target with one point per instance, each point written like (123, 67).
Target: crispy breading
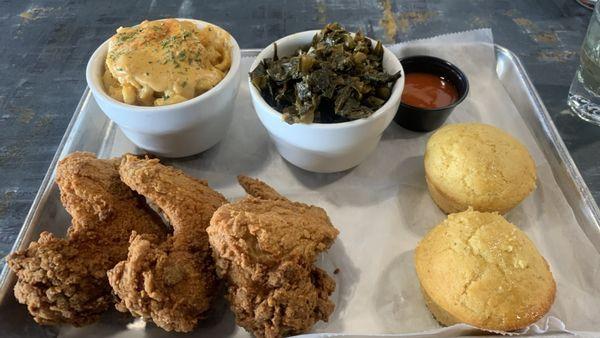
(63, 280)
(171, 282)
(265, 247)
(259, 189)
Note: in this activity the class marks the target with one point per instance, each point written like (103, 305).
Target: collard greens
(337, 78)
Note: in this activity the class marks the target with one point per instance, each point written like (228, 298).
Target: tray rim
(549, 129)
(561, 150)
(6, 276)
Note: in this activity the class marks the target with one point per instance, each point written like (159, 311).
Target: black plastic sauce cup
(425, 119)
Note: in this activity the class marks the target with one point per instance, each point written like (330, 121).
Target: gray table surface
(46, 44)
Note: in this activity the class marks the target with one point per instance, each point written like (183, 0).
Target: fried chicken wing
(171, 282)
(63, 280)
(265, 247)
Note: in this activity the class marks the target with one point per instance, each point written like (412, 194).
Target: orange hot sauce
(424, 90)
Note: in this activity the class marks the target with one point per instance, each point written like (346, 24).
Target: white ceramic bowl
(325, 147)
(176, 130)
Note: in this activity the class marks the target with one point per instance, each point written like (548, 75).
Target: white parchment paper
(382, 209)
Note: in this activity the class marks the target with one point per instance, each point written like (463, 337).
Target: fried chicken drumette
(170, 282)
(63, 280)
(265, 247)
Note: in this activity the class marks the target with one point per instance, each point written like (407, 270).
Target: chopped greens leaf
(337, 78)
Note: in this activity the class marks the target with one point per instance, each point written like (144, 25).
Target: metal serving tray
(90, 130)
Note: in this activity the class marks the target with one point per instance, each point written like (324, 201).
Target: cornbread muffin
(477, 268)
(477, 165)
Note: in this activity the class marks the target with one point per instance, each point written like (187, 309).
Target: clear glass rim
(589, 4)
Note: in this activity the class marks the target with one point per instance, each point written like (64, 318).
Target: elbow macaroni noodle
(164, 62)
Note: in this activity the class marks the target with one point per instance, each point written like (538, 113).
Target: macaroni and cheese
(164, 62)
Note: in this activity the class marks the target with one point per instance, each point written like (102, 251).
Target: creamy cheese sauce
(164, 62)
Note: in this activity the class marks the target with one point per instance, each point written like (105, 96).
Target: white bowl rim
(353, 123)
(234, 68)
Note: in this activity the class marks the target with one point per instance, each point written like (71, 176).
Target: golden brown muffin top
(484, 271)
(481, 165)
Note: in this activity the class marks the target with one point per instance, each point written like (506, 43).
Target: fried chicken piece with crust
(265, 247)
(171, 282)
(63, 280)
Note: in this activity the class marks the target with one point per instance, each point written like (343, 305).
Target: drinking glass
(584, 94)
(588, 3)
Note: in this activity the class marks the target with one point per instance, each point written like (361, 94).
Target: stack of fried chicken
(118, 250)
